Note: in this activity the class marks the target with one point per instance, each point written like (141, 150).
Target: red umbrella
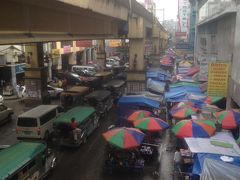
(182, 104)
(151, 124)
(229, 119)
(124, 138)
(183, 112)
(194, 128)
(138, 115)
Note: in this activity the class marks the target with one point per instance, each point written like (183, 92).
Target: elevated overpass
(54, 20)
(33, 22)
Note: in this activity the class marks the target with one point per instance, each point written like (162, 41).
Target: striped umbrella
(151, 124)
(138, 115)
(213, 99)
(183, 112)
(124, 138)
(229, 119)
(194, 128)
(181, 105)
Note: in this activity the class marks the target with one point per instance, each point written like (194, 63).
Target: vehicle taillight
(38, 131)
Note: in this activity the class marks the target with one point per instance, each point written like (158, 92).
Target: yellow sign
(55, 53)
(115, 43)
(218, 79)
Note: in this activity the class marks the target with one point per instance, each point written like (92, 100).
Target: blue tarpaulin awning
(200, 157)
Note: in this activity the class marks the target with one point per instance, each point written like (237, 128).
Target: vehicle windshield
(27, 122)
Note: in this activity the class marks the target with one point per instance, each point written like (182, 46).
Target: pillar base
(36, 86)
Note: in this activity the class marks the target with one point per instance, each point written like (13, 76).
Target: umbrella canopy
(151, 124)
(124, 138)
(229, 119)
(183, 112)
(238, 141)
(181, 105)
(138, 115)
(213, 99)
(194, 128)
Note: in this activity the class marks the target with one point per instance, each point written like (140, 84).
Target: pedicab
(101, 100)
(153, 128)
(122, 154)
(87, 121)
(73, 96)
(116, 87)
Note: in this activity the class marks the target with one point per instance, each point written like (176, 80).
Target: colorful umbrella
(124, 138)
(194, 128)
(151, 124)
(229, 119)
(238, 141)
(182, 104)
(138, 115)
(213, 99)
(183, 112)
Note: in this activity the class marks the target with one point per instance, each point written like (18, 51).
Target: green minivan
(86, 119)
(26, 160)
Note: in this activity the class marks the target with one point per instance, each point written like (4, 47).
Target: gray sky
(170, 7)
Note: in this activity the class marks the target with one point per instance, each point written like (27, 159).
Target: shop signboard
(182, 45)
(218, 79)
(19, 68)
(84, 43)
(66, 49)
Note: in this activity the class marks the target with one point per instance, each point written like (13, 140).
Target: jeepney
(87, 121)
(73, 96)
(26, 160)
(117, 87)
(101, 100)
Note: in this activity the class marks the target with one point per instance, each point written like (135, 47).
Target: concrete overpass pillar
(101, 54)
(35, 75)
(136, 34)
(136, 54)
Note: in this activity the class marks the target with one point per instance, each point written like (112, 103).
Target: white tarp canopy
(216, 170)
(203, 145)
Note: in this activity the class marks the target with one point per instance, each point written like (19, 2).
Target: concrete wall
(219, 36)
(235, 73)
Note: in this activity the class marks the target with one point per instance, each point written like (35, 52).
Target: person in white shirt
(177, 160)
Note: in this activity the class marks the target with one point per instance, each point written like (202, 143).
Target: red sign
(180, 34)
(84, 43)
(66, 49)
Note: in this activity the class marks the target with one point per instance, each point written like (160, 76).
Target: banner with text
(218, 79)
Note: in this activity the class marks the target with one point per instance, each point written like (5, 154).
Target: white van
(37, 123)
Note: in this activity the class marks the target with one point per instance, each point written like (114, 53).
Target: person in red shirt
(76, 131)
(73, 124)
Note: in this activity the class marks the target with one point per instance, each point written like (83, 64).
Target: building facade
(218, 39)
(183, 24)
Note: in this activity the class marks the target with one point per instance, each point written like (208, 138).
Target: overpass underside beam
(29, 22)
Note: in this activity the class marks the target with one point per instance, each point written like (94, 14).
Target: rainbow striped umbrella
(213, 99)
(194, 128)
(138, 115)
(151, 124)
(183, 112)
(181, 105)
(124, 138)
(229, 119)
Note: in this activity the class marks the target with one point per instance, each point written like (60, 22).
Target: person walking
(177, 160)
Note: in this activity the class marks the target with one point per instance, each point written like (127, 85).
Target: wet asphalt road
(86, 162)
